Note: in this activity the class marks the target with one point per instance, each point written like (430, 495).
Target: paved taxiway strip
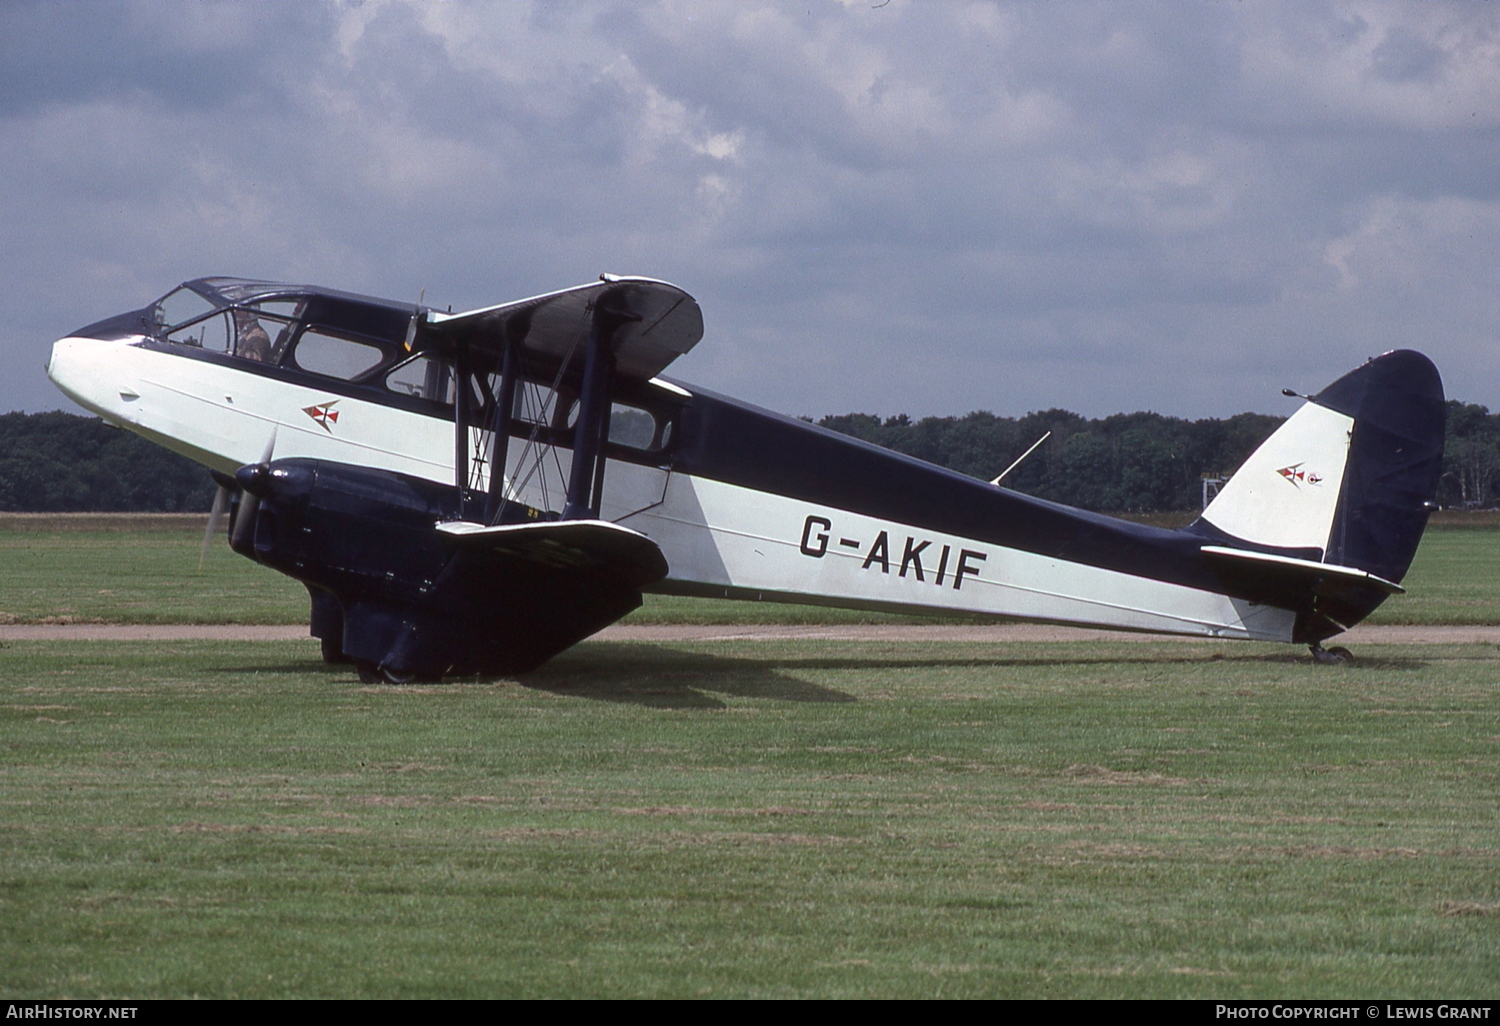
(1368, 635)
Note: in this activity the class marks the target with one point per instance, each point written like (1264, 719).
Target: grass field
(97, 569)
(145, 570)
(753, 819)
(772, 818)
(1455, 578)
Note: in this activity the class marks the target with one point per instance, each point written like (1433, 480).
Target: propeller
(249, 476)
(416, 316)
(215, 522)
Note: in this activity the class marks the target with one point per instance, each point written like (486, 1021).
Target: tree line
(63, 463)
(1128, 463)
(1144, 462)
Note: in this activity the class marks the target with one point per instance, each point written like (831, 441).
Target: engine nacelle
(398, 595)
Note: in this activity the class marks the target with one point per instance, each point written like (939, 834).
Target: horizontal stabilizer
(569, 545)
(658, 323)
(1306, 571)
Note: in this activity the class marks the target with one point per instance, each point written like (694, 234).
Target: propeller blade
(215, 522)
(249, 506)
(244, 520)
(416, 316)
(265, 457)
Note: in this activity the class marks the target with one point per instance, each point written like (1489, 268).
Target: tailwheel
(1337, 655)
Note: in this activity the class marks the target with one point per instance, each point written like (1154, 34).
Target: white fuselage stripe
(711, 532)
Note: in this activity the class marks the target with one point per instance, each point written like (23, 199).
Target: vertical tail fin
(1348, 480)
(1285, 497)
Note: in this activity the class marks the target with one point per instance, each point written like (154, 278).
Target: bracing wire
(543, 417)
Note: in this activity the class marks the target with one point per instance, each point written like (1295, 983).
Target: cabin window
(425, 377)
(537, 405)
(322, 352)
(632, 427)
(279, 319)
(556, 412)
(281, 309)
(259, 336)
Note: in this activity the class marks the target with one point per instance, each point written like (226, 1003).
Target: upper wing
(661, 322)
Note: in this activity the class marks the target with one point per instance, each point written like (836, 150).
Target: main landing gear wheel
(1337, 655)
(333, 651)
(369, 673)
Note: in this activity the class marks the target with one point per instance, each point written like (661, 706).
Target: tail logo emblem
(1298, 477)
(325, 415)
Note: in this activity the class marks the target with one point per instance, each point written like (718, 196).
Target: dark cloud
(1404, 56)
(178, 56)
(918, 208)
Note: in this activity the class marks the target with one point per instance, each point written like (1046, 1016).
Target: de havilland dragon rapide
(473, 493)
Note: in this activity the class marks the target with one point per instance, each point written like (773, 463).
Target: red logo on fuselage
(324, 414)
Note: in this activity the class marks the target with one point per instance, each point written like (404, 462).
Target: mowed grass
(145, 570)
(1455, 577)
(806, 819)
(136, 576)
(93, 568)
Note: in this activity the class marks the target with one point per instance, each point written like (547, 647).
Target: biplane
(476, 492)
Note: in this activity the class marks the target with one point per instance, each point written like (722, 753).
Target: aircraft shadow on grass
(655, 676)
(668, 679)
(661, 677)
(634, 674)
(1056, 661)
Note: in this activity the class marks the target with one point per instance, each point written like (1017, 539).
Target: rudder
(1395, 461)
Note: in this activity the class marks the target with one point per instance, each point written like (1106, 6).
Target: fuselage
(743, 503)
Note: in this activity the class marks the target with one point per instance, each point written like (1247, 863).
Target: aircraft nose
(85, 372)
(64, 356)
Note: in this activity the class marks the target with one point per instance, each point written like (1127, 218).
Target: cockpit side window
(180, 307)
(237, 332)
(255, 331)
(214, 333)
(323, 351)
(251, 339)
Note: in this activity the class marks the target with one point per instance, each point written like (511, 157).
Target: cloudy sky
(892, 207)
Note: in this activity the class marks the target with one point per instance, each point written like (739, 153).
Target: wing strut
(505, 403)
(610, 312)
(586, 477)
(461, 427)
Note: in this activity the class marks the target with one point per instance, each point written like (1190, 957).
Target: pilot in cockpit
(251, 341)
